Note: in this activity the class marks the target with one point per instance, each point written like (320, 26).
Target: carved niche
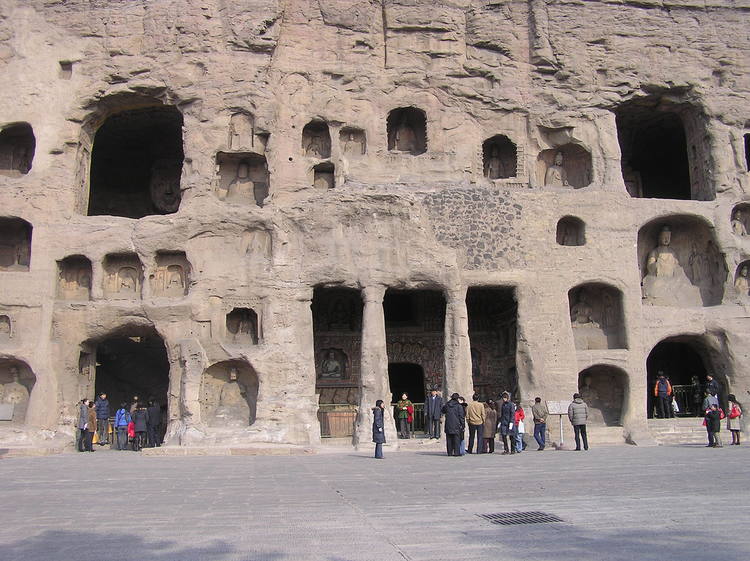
(741, 219)
(565, 166)
(123, 276)
(742, 280)
(241, 132)
(229, 395)
(407, 130)
(6, 328)
(603, 389)
(74, 278)
(16, 383)
(499, 157)
(172, 275)
(571, 231)
(353, 142)
(243, 178)
(324, 176)
(596, 317)
(15, 244)
(17, 145)
(333, 365)
(316, 140)
(242, 326)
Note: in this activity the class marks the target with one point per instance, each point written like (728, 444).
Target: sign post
(559, 408)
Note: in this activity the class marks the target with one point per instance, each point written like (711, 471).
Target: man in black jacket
(454, 424)
(433, 408)
(154, 423)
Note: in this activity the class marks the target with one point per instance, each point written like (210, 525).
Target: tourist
(462, 439)
(506, 416)
(539, 413)
(712, 386)
(518, 426)
(696, 392)
(454, 422)
(154, 423)
(709, 400)
(83, 416)
(140, 420)
(663, 393)
(90, 427)
(712, 421)
(378, 428)
(102, 418)
(433, 407)
(403, 407)
(734, 419)
(578, 413)
(490, 426)
(122, 420)
(475, 419)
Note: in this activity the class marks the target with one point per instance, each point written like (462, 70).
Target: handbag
(734, 412)
(520, 426)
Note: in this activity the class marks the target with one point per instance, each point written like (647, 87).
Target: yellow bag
(96, 438)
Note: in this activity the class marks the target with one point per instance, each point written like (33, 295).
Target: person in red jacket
(518, 426)
(663, 393)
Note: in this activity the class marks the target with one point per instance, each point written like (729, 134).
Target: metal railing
(417, 423)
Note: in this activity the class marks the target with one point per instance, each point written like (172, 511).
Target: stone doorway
(130, 364)
(492, 315)
(603, 389)
(405, 377)
(685, 361)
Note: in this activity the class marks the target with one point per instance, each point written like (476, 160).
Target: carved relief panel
(172, 276)
(123, 276)
(74, 278)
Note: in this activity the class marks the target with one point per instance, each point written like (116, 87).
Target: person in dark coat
(154, 423)
(490, 426)
(102, 418)
(433, 409)
(506, 416)
(713, 426)
(140, 420)
(454, 424)
(378, 428)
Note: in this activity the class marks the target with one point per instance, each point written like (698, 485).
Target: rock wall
(247, 77)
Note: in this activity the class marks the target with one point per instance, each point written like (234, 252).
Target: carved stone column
(457, 347)
(373, 370)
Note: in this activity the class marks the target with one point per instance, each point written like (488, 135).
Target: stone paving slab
(616, 503)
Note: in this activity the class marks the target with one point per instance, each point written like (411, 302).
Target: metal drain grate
(510, 518)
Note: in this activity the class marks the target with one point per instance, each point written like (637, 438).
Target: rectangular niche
(172, 275)
(74, 278)
(15, 244)
(242, 326)
(243, 178)
(123, 276)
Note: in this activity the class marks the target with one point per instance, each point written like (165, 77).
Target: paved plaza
(616, 503)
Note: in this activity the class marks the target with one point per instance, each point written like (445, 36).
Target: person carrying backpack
(122, 419)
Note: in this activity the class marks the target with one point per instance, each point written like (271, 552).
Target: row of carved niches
(17, 146)
(500, 158)
(229, 395)
(565, 166)
(242, 326)
(571, 231)
(680, 263)
(602, 387)
(596, 317)
(15, 244)
(407, 130)
(16, 382)
(136, 163)
(741, 219)
(243, 178)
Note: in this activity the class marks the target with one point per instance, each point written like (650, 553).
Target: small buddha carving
(556, 175)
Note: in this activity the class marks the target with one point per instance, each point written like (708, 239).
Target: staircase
(682, 430)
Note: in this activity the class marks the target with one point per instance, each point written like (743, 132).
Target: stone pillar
(457, 347)
(373, 370)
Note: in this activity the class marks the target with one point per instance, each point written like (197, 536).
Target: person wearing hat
(454, 424)
(433, 408)
(663, 392)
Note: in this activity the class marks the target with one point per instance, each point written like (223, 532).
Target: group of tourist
(134, 426)
(484, 420)
(507, 417)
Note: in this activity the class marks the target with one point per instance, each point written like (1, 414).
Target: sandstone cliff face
(550, 76)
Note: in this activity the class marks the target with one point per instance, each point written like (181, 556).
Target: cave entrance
(133, 364)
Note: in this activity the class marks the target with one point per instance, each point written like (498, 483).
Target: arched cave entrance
(604, 388)
(685, 361)
(130, 362)
(136, 163)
